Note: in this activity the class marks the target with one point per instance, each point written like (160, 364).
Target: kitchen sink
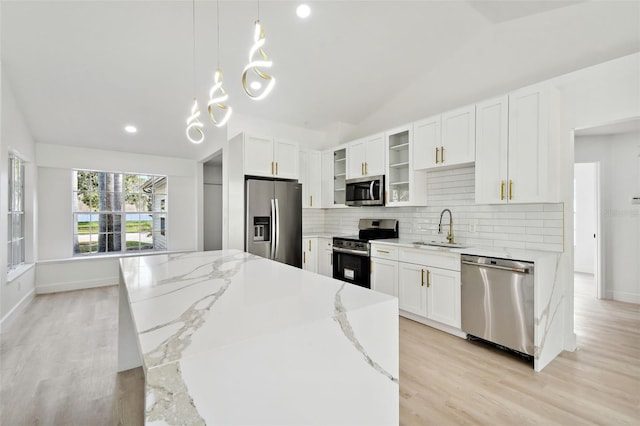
(439, 244)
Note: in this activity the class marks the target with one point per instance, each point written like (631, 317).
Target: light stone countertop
(227, 337)
(500, 252)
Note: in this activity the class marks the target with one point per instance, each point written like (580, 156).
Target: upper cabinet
(270, 157)
(365, 157)
(516, 147)
(311, 178)
(445, 140)
(404, 185)
(334, 174)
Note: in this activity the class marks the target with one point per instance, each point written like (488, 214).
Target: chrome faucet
(450, 235)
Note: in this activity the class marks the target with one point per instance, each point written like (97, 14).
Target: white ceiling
(81, 70)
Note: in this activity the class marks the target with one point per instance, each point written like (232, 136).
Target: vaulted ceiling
(81, 70)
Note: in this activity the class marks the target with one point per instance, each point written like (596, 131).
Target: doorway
(586, 222)
(212, 203)
(607, 164)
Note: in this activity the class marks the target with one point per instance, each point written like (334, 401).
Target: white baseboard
(624, 296)
(8, 319)
(75, 285)
(434, 324)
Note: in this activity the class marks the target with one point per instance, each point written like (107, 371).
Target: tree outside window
(118, 212)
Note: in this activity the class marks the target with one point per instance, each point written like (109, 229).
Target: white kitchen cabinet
(311, 178)
(443, 296)
(425, 142)
(384, 269)
(269, 157)
(404, 185)
(412, 289)
(334, 174)
(516, 155)
(325, 257)
(366, 157)
(310, 254)
(384, 276)
(445, 140)
(438, 275)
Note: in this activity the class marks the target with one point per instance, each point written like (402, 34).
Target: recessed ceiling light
(130, 129)
(303, 11)
(256, 85)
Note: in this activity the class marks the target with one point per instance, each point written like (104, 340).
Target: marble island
(226, 337)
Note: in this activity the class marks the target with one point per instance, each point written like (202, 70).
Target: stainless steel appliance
(273, 219)
(497, 301)
(351, 262)
(365, 191)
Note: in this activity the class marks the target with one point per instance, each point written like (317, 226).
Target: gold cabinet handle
(428, 278)
(272, 168)
(362, 169)
(304, 257)
(366, 168)
(510, 189)
(422, 277)
(382, 251)
(309, 245)
(437, 151)
(276, 168)
(442, 154)
(310, 200)
(502, 190)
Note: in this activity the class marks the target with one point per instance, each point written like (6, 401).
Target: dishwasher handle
(503, 268)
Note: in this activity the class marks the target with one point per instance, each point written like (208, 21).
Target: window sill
(16, 273)
(94, 257)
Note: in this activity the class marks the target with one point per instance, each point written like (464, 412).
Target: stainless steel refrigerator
(273, 219)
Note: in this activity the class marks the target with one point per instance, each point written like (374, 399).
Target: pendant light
(262, 82)
(194, 125)
(217, 94)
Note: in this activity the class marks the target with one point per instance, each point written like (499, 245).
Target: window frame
(117, 231)
(16, 209)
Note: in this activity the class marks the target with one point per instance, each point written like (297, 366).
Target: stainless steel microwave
(365, 191)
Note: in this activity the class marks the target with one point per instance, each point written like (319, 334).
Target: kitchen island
(226, 337)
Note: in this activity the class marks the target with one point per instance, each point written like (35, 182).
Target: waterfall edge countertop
(227, 337)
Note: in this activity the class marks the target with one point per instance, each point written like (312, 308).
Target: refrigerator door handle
(277, 240)
(273, 230)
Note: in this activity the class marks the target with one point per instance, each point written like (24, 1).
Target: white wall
(585, 217)
(17, 288)
(618, 156)
(55, 239)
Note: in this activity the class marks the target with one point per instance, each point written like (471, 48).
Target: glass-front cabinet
(339, 175)
(404, 186)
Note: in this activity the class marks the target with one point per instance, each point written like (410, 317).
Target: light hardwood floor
(58, 367)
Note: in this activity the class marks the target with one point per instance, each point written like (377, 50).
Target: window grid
(15, 219)
(118, 212)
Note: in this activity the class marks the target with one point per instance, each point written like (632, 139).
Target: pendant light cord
(218, 26)
(194, 45)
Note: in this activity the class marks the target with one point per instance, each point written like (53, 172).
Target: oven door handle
(350, 251)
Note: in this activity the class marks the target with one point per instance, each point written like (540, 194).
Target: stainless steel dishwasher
(497, 301)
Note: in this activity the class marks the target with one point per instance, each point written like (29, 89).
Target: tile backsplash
(524, 226)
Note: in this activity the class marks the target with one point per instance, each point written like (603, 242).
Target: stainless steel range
(351, 261)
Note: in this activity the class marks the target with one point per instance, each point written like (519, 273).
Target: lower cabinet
(317, 255)
(310, 254)
(412, 291)
(384, 276)
(426, 282)
(325, 257)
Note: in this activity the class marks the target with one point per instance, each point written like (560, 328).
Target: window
(15, 231)
(118, 212)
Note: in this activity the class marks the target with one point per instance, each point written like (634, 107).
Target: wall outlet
(473, 225)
